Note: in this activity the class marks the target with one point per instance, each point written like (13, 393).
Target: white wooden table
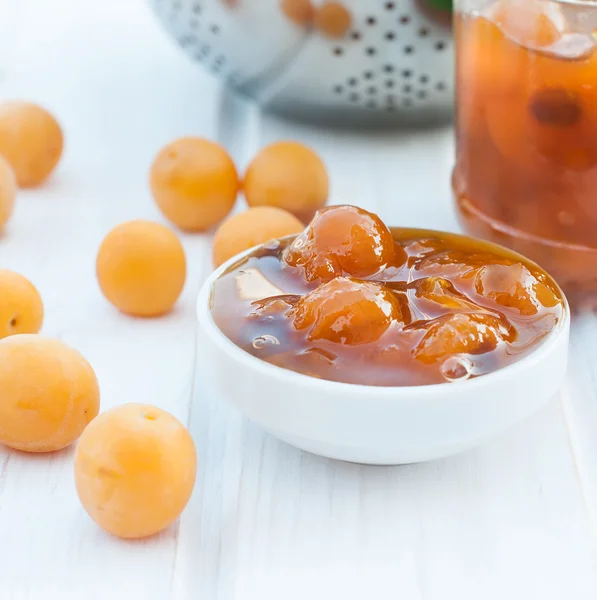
(514, 519)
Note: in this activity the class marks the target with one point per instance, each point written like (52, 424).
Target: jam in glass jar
(526, 168)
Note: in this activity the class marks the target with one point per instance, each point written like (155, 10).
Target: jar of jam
(526, 168)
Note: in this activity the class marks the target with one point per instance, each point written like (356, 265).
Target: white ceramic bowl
(380, 425)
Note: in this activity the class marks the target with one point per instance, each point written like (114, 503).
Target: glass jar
(526, 167)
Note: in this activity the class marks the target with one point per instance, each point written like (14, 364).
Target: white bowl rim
(534, 357)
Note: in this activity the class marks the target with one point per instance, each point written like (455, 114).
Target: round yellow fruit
(194, 183)
(135, 470)
(8, 191)
(287, 175)
(333, 19)
(48, 393)
(298, 11)
(21, 306)
(31, 140)
(141, 268)
(250, 228)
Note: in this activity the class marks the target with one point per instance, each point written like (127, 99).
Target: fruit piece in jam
(448, 309)
(346, 311)
(514, 287)
(462, 333)
(531, 23)
(343, 240)
(441, 291)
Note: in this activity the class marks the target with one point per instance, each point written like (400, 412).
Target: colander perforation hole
(187, 40)
(354, 97)
(371, 21)
(220, 61)
(372, 90)
(205, 49)
(388, 68)
(407, 88)
(407, 73)
(404, 19)
(390, 83)
(356, 35)
(423, 32)
(215, 29)
(352, 81)
(424, 79)
(409, 49)
(368, 74)
(390, 36)
(390, 5)
(439, 46)
(440, 86)
(338, 89)
(338, 51)
(421, 94)
(371, 51)
(197, 9)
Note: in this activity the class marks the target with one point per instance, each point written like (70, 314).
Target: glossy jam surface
(343, 239)
(367, 305)
(526, 172)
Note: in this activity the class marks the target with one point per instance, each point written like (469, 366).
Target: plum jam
(353, 301)
(526, 168)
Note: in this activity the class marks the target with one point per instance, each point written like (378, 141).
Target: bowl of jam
(380, 345)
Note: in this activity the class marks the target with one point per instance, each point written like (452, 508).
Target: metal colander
(393, 64)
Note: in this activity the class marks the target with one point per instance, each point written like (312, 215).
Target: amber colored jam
(350, 300)
(526, 171)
